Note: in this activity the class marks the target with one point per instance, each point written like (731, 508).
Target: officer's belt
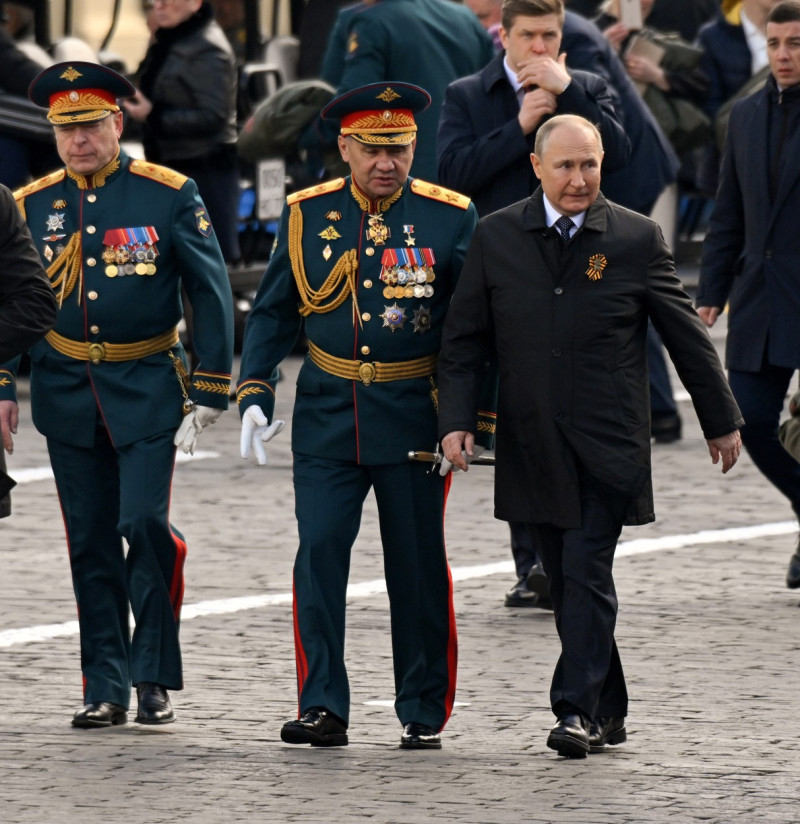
(369, 371)
(96, 352)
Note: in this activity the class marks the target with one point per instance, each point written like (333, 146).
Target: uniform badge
(48, 253)
(408, 231)
(596, 265)
(352, 43)
(55, 222)
(421, 320)
(394, 317)
(203, 223)
(333, 215)
(326, 252)
(59, 204)
(378, 232)
(329, 234)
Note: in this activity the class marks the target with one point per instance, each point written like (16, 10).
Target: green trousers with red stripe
(108, 494)
(329, 496)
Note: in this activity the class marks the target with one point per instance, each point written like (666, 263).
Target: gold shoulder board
(41, 183)
(313, 191)
(436, 192)
(161, 174)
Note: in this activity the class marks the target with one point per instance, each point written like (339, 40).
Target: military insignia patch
(59, 204)
(596, 265)
(352, 43)
(388, 95)
(333, 215)
(203, 223)
(329, 234)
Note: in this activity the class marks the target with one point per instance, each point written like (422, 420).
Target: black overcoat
(568, 326)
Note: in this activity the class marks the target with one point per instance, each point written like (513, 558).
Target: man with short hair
(751, 252)
(109, 388)
(370, 261)
(559, 287)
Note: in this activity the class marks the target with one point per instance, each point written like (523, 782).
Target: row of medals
(122, 262)
(402, 282)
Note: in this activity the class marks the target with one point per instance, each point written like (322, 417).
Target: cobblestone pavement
(707, 631)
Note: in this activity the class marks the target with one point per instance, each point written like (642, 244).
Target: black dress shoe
(665, 428)
(793, 573)
(569, 737)
(537, 582)
(419, 737)
(317, 727)
(154, 704)
(520, 596)
(100, 714)
(604, 731)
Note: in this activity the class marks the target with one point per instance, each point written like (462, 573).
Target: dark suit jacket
(751, 256)
(653, 164)
(571, 355)
(482, 150)
(27, 301)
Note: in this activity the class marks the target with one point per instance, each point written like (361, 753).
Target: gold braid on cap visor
(382, 128)
(78, 107)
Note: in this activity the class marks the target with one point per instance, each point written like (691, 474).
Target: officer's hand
(9, 419)
(256, 431)
(192, 425)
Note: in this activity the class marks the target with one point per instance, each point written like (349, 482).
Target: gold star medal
(596, 265)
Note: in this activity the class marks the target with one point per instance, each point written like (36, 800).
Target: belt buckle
(366, 373)
(97, 352)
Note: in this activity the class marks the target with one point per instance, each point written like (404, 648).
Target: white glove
(256, 431)
(193, 424)
(445, 466)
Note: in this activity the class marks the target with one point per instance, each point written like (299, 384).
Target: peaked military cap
(78, 92)
(379, 113)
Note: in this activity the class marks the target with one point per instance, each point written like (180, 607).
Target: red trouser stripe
(301, 661)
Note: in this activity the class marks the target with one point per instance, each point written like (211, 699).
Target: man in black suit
(750, 258)
(559, 287)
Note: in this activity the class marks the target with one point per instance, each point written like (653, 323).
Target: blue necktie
(564, 224)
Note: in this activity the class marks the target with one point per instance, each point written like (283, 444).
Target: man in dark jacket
(560, 288)
(750, 259)
(27, 304)
(489, 119)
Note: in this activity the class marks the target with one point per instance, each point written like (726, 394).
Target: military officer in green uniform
(371, 261)
(109, 389)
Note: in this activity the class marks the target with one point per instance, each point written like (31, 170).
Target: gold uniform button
(366, 316)
(370, 251)
(94, 329)
(91, 229)
(368, 284)
(365, 350)
(91, 262)
(91, 198)
(92, 295)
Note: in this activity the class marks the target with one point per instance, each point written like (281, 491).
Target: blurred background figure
(489, 14)
(186, 104)
(230, 16)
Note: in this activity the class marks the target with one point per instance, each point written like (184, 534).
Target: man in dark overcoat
(560, 288)
(751, 253)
